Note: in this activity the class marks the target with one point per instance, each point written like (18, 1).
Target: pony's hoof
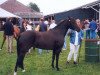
(53, 66)
(15, 73)
(0, 49)
(58, 69)
(23, 70)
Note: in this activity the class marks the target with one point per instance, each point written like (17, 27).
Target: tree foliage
(34, 6)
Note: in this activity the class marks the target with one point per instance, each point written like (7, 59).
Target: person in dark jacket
(43, 28)
(8, 32)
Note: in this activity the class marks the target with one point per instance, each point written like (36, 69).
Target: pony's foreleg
(19, 63)
(21, 58)
(15, 71)
(53, 58)
(57, 59)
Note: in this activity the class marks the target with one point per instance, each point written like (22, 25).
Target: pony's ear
(69, 18)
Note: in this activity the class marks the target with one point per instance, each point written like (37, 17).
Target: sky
(55, 6)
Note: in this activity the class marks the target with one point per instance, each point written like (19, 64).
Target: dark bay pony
(50, 40)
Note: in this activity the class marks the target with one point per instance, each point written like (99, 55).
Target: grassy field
(36, 64)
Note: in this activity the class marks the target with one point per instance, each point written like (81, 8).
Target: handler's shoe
(75, 63)
(0, 49)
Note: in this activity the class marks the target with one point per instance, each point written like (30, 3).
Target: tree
(34, 6)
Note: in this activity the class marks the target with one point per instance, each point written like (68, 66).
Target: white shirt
(52, 25)
(76, 38)
(28, 27)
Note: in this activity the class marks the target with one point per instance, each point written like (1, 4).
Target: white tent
(4, 14)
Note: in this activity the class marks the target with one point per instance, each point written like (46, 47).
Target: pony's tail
(18, 46)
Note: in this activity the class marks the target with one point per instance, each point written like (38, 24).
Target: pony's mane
(62, 23)
(59, 24)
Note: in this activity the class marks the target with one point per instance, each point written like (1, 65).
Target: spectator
(8, 32)
(98, 29)
(14, 21)
(87, 29)
(20, 22)
(75, 41)
(43, 28)
(93, 27)
(28, 27)
(24, 23)
(52, 25)
(47, 23)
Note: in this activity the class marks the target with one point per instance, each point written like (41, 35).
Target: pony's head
(72, 24)
(68, 23)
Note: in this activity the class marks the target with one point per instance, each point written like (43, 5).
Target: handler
(75, 41)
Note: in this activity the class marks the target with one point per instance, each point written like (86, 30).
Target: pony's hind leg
(57, 59)
(53, 58)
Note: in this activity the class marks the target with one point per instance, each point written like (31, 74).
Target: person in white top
(53, 24)
(28, 27)
(87, 29)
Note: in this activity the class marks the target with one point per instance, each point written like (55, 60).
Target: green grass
(36, 64)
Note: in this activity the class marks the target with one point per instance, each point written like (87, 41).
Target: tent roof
(14, 6)
(4, 14)
(20, 9)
